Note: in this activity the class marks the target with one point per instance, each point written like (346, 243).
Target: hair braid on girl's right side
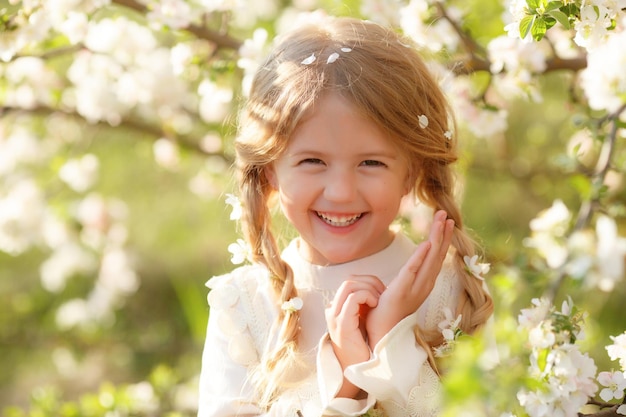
(256, 220)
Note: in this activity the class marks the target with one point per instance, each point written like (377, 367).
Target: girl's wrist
(349, 390)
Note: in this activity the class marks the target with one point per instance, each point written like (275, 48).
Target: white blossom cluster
(88, 241)
(604, 79)
(596, 258)
(591, 27)
(599, 30)
(566, 377)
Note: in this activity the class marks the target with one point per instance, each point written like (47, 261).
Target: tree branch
(607, 412)
(587, 207)
(52, 53)
(219, 39)
(185, 141)
(476, 64)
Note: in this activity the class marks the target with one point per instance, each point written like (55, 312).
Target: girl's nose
(340, 187)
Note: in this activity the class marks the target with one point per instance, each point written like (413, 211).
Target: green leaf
(571, 10)
(553, 5)
(549, 21)
(525, 25)
(533, 5)
(561, 17)
(539, 28)
(582, 184)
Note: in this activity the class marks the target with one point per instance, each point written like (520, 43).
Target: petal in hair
(309, 60)
(423, 120)
(332, 58)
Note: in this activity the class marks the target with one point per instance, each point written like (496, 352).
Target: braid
(475, 305)
(256, 220)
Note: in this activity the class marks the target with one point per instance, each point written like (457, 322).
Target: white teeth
(339, 221)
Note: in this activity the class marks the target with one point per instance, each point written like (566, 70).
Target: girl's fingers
(413, 265)
(352, 306)
(440, 237)
(357, 283)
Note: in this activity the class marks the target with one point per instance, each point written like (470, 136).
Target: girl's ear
(270, 175)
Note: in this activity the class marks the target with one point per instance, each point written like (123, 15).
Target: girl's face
(340, 182)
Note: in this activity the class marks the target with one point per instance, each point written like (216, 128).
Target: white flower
(476, 269)
(72, 313)
(166, 153)
(143, 397)
(74, 27)
(553, 220)
(294, 304)
(239, 250)
(416, 21)
(615, 384)
(235, 203)
(215, 101)
(610, 252)
(381, 11)
(531, 317)
(617, 351)
(568, 382)
(548, 231)
(80, 174)
(450, 330)
(450, 323)
(176, 14)
(621, 409)
(542, 336)
(22, 210)
(66, 261)
(592, 28)
(604, 81)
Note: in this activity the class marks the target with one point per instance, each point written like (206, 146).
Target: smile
(339, 220)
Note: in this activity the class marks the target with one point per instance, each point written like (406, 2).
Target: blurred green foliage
(145, 362)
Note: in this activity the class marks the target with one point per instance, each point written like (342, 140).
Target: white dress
(397, 377)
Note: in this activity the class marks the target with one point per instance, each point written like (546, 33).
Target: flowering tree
(74, 72)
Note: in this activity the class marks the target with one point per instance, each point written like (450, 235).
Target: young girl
(342, 122)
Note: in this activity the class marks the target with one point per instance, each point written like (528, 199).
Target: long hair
(386, 80)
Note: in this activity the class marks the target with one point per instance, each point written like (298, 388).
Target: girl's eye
(314, 161)
(373, 163)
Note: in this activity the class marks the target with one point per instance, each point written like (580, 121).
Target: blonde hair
(384, 78)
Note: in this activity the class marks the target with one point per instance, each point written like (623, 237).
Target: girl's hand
(346, 318)
(415, 281)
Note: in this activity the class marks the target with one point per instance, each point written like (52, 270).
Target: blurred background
(112, 222)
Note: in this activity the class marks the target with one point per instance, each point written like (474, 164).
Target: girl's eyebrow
(367, 154)
(379, 153)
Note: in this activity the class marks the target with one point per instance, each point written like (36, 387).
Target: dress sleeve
(238, 328)
(228, 352)
(397, 377)
(330, 379)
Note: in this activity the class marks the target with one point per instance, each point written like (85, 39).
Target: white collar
(384, 264)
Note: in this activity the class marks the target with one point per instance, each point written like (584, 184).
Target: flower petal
(332, 58)
(309, 60)
(423, 121)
